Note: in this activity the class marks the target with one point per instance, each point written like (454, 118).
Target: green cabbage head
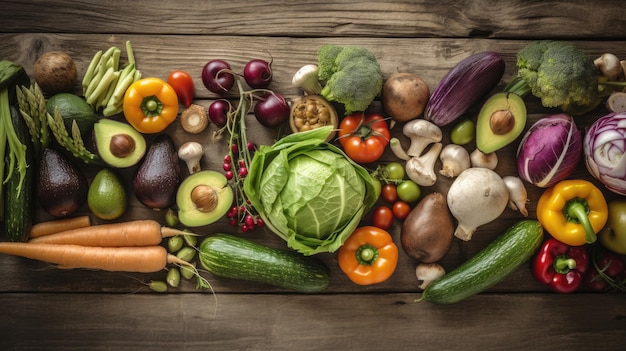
(308, 191)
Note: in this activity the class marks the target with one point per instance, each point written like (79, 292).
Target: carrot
(133, 233)
(145, 259)
(59, 225)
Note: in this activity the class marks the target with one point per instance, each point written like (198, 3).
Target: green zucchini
(229, 256)
(19, 205)
(489, 266)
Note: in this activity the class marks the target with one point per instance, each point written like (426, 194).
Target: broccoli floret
(350, 53)
(326, 56)
(558, 73)
(354, 79)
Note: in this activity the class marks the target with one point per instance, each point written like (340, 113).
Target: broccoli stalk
(352, 74)
(559, 74)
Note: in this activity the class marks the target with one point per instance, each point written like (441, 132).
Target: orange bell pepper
(150, 105)
(368, 256)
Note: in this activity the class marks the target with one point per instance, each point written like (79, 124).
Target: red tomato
(364, 136)
(389, 193)
(182, 83)
(382, 217)
(401, 209)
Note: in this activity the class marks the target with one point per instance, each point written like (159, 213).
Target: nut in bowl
(310, 112)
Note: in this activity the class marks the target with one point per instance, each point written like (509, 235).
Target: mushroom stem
(422, 134)
(421, 169)
(191, 152)
(428, 272)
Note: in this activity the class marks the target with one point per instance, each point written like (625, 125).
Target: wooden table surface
(42, 308)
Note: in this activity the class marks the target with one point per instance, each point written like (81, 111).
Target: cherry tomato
(382, 217)
(182, 83)
(389, 193)
(408, 191)
(401, 209)
(395, 171)
(364, 136)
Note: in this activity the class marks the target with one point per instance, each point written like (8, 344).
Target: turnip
(258, 73)
(218, 112)
(272, 110)
(217, 76)
(476, 197)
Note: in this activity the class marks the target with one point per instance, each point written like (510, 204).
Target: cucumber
(489, 266)
(229, 256)
(19, 207)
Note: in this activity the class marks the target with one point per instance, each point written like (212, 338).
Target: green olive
(463, 132)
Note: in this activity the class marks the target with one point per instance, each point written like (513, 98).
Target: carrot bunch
(132, 246)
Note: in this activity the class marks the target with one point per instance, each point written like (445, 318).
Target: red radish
(216, 76)
(272, 110)
(258, 73)
(218, 112)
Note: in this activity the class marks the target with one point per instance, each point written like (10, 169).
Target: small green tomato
(408, 191)
(395, 171)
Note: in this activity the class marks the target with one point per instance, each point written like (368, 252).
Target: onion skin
(549, 151)
(466, 83)
(604, 147)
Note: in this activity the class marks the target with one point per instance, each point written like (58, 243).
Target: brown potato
(428, 230)
(55, 72)
(404, 96)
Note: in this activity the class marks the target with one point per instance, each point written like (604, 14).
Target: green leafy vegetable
(11, 75)
(308, 192)
(352, 74)
(558, 73)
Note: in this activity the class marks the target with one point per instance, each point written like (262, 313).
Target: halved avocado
(118, 143)
(500, 121)
(203, 198)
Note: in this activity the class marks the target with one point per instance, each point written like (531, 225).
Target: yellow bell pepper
(573, 211)
(150, 105)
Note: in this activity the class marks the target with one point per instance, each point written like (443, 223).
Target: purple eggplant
(464, 85)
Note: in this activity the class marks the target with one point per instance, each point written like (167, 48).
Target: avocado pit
(122, 145)
(204, 198)
(502, 122)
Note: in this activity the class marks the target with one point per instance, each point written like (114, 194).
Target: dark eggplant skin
(428, 230)
(463, 86)
(157, 179)
(61, 186)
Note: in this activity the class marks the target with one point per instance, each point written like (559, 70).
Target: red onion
(604, 147)
(549, 151)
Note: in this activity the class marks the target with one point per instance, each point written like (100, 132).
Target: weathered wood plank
(288, 322)
(347, 18)
(157, 55)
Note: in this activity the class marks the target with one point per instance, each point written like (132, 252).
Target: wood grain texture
(287, 322)
(345, 18)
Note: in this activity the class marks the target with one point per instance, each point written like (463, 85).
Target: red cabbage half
(604, 147)
(549, 151)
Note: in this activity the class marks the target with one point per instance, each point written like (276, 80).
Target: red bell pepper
(560, 266)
